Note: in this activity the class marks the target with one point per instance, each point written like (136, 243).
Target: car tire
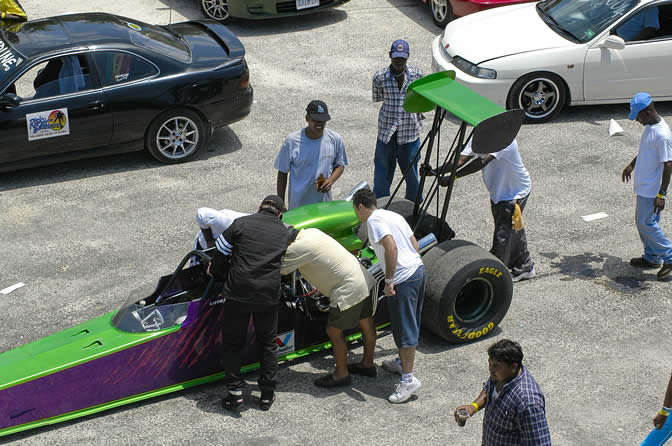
(175, 136)
(541, 95)
(468, 291)
(216, 10)
(442, 12)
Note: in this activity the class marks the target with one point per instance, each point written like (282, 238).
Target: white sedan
(541, 56)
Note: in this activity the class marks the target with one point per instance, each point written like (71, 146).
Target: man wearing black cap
(247, 260)
(398, 131)
(314, 157)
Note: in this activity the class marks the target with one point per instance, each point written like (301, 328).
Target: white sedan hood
(500, 32)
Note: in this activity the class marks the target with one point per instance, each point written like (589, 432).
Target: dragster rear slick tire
(468, 291)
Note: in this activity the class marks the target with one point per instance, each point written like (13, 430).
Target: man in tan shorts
(337, 274)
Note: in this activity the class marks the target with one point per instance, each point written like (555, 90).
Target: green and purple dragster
(170, 339)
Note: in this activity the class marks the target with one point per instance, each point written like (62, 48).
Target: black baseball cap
(317, 111)
(275, 201)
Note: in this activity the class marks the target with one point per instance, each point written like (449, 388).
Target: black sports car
(85, 85)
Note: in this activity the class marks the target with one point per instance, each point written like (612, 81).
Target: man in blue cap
(652, 170)
(398, 131)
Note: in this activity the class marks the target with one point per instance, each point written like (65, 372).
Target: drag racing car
(170, 339)
(92, 84)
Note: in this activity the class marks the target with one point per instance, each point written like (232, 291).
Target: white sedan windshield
(581, 20)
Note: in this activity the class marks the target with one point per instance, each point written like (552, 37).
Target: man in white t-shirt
(337, 274)
(509, 185)
(397, 250)
(313, 158)
(652, 170)
(212, 223)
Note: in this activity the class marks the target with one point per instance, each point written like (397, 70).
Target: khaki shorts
(350, 318)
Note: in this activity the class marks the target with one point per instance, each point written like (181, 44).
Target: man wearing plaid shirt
(398, 131)
(515, 409)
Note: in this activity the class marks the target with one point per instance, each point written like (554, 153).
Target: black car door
(62, 109)
(133, 91)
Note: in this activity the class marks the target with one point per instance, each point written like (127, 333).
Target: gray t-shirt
(305, 159)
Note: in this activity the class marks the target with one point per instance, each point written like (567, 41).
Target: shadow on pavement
(223, 141)
(619, 275)
(417, 11)
(593, 114)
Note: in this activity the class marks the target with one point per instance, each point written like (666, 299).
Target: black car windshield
(581, 20)
(161, 40)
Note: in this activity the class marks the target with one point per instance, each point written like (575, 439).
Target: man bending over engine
(337, 274)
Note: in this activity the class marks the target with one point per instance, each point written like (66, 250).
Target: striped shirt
(392, 116)
(517, 415)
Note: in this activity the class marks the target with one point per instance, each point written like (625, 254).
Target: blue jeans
(405, 307)
(659, 437)
(657, 246)
(387, 155)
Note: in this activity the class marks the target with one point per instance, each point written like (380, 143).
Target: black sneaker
(266, 400)
(233, 400)
(665, 270)
(641, 262)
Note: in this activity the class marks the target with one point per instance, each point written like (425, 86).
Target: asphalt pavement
(84, 235)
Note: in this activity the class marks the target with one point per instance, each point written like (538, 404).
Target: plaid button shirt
(517, 416)
(392, 116)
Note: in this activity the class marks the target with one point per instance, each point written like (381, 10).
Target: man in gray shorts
(397, 250)
(337, 274)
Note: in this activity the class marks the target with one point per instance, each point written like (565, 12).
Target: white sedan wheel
(540, 95)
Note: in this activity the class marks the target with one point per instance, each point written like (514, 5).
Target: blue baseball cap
(638, 103)
(399, 49)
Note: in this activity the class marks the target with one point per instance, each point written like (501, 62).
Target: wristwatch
(389, 281)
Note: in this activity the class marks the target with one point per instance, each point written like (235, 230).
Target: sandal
(266, 400)
(329, 381)
(358, 369)
(232, 401)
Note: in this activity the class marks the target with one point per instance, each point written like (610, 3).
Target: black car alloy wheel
(175, 136)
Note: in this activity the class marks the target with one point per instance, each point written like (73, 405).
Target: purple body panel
(189, 353)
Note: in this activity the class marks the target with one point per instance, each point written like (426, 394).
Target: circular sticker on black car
(134, 26)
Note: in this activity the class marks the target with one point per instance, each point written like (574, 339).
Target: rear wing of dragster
(494, 128)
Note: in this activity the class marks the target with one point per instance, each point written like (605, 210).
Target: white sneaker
(404, 391)
(392, 365)
(525, 275)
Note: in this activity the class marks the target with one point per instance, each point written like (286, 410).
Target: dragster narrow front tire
(468, 291)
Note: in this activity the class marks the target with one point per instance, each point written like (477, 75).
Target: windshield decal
(48, 124)
(8, 57)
